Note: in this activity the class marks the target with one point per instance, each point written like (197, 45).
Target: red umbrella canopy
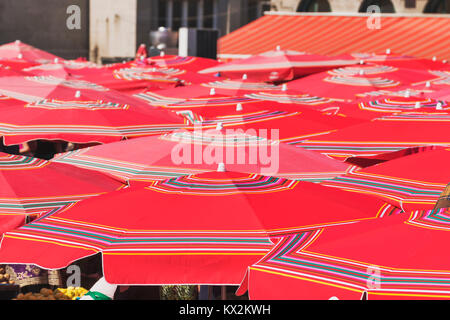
(420, 90)
(223, 107)
(234, 88)
(189, 152)
(443, 94)
(193, 64)
(31, 187)
(20, 51)
(391, 258)
(275, 66)
(200, 229)
(126, 78)
(102, 76)
(76, 111)
(284, 125)
(16, 64)
(389, 105)
(400, 61)
(386, 134)
(214, 89)
(348, 82)
(413, 182)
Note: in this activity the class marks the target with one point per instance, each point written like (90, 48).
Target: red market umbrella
(290, 122)
(222, 108)
(31, 187)
(284, 125)
(401, 61)
(170, 233)
(294, 98)
(369, 109)
(102, 76)
(189, 152)
(420, 90)
(381, 135)
(412, 182)
(348, 82)
(275, 66)
(20, 51)
(397, 257)
(193, 64)
(122, 78)
(75, 111)
(212, 89)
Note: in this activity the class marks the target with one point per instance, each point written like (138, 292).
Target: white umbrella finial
(162, 54)
(284, 87)
(434, 58)
(278, 48)
(439, 106)
(428, 84)
(417, 105)
(388, 51)
(239, 107)
(212, 92)
(361, 72)
(407, 94)
(77, 94)
(219, 126)
(244, 76)
(20, 56)
(361, 61)
(221, 167)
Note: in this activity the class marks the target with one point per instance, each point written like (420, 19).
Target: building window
(192, 14)
(410, 4)
(162, 15)
(208, 13)
(386, 6)
(314, 6)
(177, 14)
(256, 9)
(437, 6)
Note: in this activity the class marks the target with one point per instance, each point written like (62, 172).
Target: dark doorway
(386, 6)
(437, 6)
(314, 6)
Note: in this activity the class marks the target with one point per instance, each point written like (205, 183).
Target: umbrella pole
(224, 293)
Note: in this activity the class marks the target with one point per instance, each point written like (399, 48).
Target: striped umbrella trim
(291, 257)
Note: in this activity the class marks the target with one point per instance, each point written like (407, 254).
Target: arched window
(314, 6)
(386, 6)
(437, 6)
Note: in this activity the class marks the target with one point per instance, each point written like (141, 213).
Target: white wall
(112, 28)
